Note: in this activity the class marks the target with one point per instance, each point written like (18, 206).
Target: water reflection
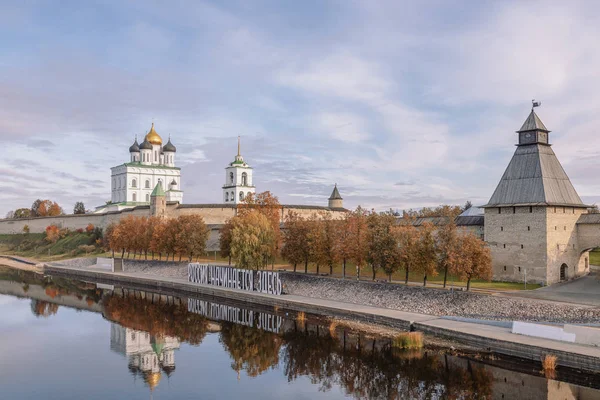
(147, 354)
(148, 329)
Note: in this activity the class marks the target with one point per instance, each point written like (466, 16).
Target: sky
(403, 104)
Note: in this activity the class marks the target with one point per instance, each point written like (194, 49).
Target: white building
(238, 180)
(150, 163)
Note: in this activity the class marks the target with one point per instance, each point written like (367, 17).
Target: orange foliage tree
(475, 260)
(52, 233)
(45, 208)
(296, 246)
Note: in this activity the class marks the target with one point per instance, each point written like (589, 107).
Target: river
(67, 339)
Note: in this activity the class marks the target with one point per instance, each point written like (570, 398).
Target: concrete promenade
(490, 338)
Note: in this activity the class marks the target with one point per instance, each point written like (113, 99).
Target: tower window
(499, 210)
(556, 228)
(504, 245)
(231, 178)
(521, 246)
(226, 196)
(564, 210)
(530, 209)
(501, 229)
(505, 267)
(519, 269)
(241, 196)
(155, 155)
(134, 197)
(528, 228)
(554, 210)
(244, 179)
(133, 183)
(514, 210)
(147, 198)
(147, 184)
(565, 227)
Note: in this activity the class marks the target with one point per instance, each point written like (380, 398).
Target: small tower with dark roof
(336, 200)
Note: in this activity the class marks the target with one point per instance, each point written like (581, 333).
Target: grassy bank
(34, 245)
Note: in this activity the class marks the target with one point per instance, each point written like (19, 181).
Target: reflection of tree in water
(159, 318)
(368, 369)
(251, 349)
(363, 367)
(41, 308)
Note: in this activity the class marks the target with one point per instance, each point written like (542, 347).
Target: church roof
(146, 145)
(533, 123)
(135, 147)
(335, 195)
(534, 176)
(169, 147)
(153, 137)
(158, 190)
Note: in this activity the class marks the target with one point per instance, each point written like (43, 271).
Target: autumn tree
(79, 208)
(475, 259)
(358, 240)
(45, 208)
(324, 250)
(446, 246)
(343, 241)
(439, 211)
(225, 240)
(267, 204)
(252, 240)
(192, 234)
(427, 258)
(295, 248)
(383, 251)
(407, 239)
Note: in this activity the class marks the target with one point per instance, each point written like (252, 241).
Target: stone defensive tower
(158, 201)
(530, 220)
(335, 200)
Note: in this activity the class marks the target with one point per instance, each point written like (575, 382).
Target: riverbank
(493, 338)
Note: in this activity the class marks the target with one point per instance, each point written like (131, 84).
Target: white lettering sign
(235, 278)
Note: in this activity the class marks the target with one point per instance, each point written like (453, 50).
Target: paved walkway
(493, 338)
(584, 290)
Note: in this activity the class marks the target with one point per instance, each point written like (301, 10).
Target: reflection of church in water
(148, 355)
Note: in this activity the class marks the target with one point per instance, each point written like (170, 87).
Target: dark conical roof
(335, 195)
(135, 147)
(169, 147)
(533, 123)
(146, 145)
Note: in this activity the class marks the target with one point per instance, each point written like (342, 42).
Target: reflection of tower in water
(148, 355)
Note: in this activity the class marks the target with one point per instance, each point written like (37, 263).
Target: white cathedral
(151, 164)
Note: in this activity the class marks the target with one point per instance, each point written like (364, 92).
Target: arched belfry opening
(564, 272)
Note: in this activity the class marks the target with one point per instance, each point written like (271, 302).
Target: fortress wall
(505, 232)
(563, 243)
(212, 216)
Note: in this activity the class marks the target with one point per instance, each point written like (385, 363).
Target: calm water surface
(65, 339)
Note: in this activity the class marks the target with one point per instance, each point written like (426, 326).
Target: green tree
(252, 240)
(22, 213)
(79, 208)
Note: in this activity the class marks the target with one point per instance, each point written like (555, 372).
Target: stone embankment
(407, 298)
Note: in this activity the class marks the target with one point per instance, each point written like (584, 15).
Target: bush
(52, 233)
(26, 229)
(87, 249)
(409, 340)
(79, 230)
(89, 228)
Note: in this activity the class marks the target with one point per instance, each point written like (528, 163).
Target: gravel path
(410, 298)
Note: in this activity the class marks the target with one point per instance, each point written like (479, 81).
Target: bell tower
(238, 180)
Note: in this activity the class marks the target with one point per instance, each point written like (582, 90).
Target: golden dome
(152, 379)
(153, 137)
